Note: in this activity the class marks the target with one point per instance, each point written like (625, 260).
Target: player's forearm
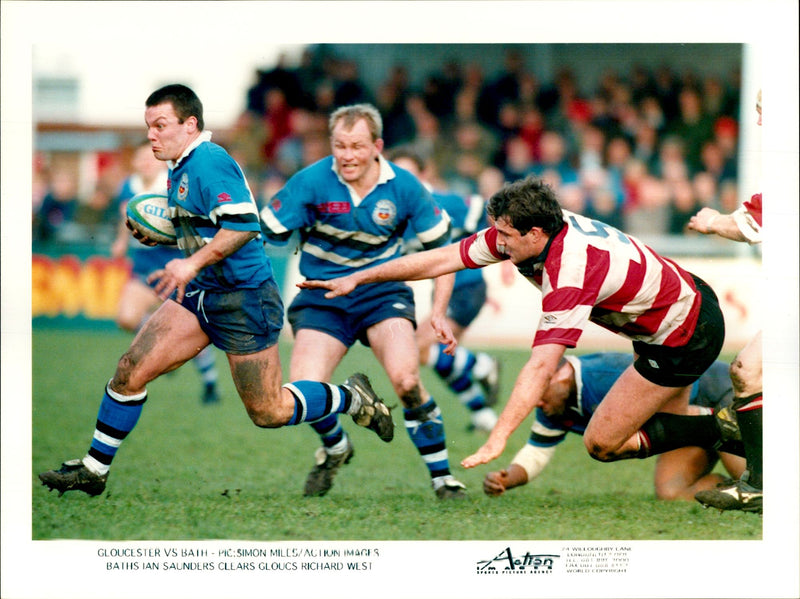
(223, 244)
(725, 226)
(442, 291)
(414, 267)
(528, 390)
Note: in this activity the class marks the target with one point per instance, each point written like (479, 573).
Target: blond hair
(350, 115)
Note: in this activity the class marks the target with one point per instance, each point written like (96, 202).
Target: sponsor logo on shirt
(333, 207)
(224, 197)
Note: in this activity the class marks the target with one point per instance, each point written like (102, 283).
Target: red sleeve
(753, 207)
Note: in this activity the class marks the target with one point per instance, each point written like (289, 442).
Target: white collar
(386, 173)
(203, 137)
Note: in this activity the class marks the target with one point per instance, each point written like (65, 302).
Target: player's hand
(175, 275)
(138, 236)
(444, 334)
(486, 453)
(335, 287)
(495, 483)
(701, 222)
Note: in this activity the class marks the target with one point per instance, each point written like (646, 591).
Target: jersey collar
(385, 174)
(203, 137)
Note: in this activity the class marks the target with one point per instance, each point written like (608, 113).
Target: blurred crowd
(644, 150)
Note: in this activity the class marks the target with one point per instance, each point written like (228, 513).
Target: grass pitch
(192, 472)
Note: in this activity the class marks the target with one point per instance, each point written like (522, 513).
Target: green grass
(190, 471)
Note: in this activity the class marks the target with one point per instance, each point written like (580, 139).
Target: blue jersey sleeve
(546, 432)
(228, 200)
(429, 221)
(290, 209)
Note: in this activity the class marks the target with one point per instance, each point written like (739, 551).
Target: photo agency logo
(506, 562)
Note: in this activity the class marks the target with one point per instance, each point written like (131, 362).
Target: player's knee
(126, 376)
(264, 419)
(407, 388)
(745, 378)
(599, 451)
(668, 492)
(126, 323)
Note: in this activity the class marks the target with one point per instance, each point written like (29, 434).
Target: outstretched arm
(414, 267)
(531, 384)
(710, 222)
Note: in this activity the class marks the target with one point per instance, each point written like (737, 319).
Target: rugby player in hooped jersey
(225, 294)
(588, 271)
(746, 494)
(353, 208)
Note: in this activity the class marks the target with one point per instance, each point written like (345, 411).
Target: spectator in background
(98, 211)
(348, 88)
(632, 179)
(601, 201)
(531, 127)
(325, 96)
(726, 136)
(504, 88)
(682, 206)
(291, 153)
(247, 138)
(667, 88)
(692, 126)
(518, 158)
(652, 109)
(58, 206)
(706, 190)
(651, 215)
(277, 120)
(713, 161)
(728, 196)
(645, 145)
(553, 156)
(281, 78)
(671, 159)
(391, 101)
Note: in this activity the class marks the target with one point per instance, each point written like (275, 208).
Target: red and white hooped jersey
(748, 219)
(591, 271)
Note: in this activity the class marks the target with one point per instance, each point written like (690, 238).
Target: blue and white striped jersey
(342, 232)
(594, 376)
(207, 192)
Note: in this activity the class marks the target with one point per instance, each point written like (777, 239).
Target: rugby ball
(148, 214)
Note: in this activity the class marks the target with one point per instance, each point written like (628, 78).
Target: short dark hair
(183, 100)
(527, 203)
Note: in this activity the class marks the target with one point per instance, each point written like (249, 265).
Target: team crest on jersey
(384, 213)
(183, 187)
